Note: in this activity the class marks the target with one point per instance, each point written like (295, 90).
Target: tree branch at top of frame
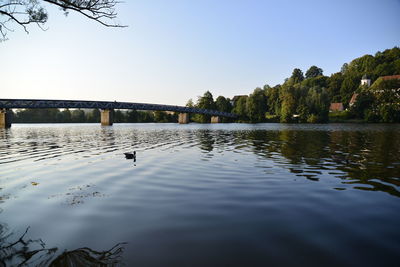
(26, 12)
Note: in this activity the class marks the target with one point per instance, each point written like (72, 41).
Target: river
(200, 195)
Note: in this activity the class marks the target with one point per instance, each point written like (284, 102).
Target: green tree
(386, 104)
(132, 116)
(67, 116)
(334, 85)
(362, 65)
(344, 68)
(384, 69)
(190, 103)
(160, 116)
(119, 116)
(205, 102)
(256, 106)
(145, 116)
(273, 100)
(297, 76)
(94, 116)
(223, 104)
(349, 86)
(362, 105)
(46, 115)
(321, 81)
(318, 104)
(313, 72)
(240, 108)
(78, 116)
(288, 99)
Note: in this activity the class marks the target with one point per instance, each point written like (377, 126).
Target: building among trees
(365, 81)
(353, 99)
(336, 107)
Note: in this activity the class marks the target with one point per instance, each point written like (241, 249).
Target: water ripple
(212, 194)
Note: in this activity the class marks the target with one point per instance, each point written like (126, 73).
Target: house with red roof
(353, 99)
(391, 77)
(336, 107)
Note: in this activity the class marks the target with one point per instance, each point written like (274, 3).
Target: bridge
(106, 108)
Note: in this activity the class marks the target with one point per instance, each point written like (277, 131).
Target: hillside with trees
(307, 97)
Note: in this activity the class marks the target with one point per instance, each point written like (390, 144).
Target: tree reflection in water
(90, 257)
(206, 140)
(368, 160)
(33, 252)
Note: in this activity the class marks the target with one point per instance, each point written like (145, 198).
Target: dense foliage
(307, 98)
(52, 115)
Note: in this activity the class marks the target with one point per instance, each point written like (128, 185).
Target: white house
(365, 81)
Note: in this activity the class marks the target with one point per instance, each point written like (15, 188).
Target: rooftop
(336, 107)
(391, 77)
(353, 99)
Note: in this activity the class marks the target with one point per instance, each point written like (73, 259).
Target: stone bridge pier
(5, 118)
(183, 118)
(107, 118)
(215, 119)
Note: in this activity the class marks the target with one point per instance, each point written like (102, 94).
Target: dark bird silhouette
(130, 155)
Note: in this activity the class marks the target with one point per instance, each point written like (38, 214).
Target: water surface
(200, 195)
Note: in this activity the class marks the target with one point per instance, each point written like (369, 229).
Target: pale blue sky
(175, 50)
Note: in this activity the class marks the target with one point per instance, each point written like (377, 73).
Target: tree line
(307, 97)
(52, 115)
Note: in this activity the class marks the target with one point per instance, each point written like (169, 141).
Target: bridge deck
(42, 103)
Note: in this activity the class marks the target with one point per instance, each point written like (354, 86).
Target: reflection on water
(201, 195)
(22, 251)
(357, 157)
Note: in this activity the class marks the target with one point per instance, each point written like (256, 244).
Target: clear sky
(177, 49)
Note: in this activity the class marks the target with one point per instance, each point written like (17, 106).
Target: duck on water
(129, 155)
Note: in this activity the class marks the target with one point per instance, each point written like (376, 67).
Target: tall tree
(223, 104)
(190, 103)
(313, 72)
(256, 106)
(344, 68)
(288, 99)
(273, 101)
(205, 102)
(349, 85)
(318, 104)
(297, 76)
(240, 108)
(334, 85)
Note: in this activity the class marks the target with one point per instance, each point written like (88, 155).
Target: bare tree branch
(26, 12)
